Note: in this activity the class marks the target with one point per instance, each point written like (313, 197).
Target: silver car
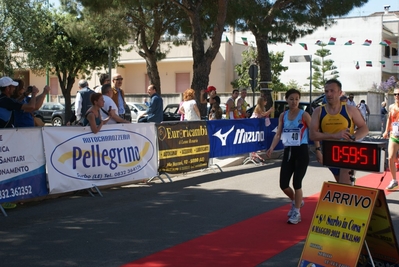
(136, 109)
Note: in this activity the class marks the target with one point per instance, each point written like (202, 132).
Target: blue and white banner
(232, 137)
(22, 164)
(78, 159)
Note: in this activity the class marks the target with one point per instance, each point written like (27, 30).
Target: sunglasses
(119, 79)
(396, 94)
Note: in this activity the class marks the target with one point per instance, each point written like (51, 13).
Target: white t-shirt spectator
(189, 112)
(108, 102)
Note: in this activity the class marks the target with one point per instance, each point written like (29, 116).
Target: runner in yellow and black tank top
(336, 123)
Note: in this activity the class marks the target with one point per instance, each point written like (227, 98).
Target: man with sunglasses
(350, 101)
(119, 94)
(392, 127)
(336, 120)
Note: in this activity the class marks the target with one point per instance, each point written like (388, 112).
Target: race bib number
(395, 128)
(291, 137)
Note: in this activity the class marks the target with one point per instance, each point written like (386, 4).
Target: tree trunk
(265, 69)
(152, 71)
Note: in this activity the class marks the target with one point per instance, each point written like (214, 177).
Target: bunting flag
(304, 46)
(369, 64)
(382, 63)
(357, 66)
(245, 41)
(385, 43)
(227, 40)
(367, 42)
(332, 41)
(396, 62)
(318, 42)
(350, 42)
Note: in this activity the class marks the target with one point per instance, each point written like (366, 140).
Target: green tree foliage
(248, 58)
(323, 68)
(145, 22)
(62, 42)
(283, 21)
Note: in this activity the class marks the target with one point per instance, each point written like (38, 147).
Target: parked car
(46, 111)
(281, 105)
(136, 110)
(58, 116)
(170, 112)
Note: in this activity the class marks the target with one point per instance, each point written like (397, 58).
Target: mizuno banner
(232, 137)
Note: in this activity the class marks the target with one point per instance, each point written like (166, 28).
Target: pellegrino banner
(78, 159)
(22, 165)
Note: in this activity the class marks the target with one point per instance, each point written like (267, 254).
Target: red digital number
(335, 153)
(345, 154)
(364, 160)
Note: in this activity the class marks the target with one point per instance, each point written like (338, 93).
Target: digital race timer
(362, 156)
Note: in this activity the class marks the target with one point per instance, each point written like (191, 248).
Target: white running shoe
(392, 185)
(295, 218)
(289, 214)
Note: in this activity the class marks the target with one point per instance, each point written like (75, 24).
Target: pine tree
(323, 69)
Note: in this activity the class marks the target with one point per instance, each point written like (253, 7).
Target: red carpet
(247, 243)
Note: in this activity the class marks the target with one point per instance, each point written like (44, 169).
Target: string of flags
(332, 41)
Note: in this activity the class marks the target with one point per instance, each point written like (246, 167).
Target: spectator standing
(216, 112)
(260, 110)
(383, 113)
(350, 101)
(155, 110)
(337, 120)
(392, 130)
(364, 110)
(22, 95)
(231, 108)
(119, 94)
(104, 79)
(189, 106)
(211, 91)
(93, 117)
(8, 105)
(296, 152)
(110, 109)
(242, 104)
(82, 101)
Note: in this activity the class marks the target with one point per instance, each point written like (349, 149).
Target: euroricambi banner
(22, 164)
(183, 146)
(339, 226)
(233, 137)
(78, 159)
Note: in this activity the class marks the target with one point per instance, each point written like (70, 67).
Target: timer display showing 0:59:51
(353, 155)
(365, 156)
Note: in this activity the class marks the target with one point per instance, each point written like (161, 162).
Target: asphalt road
(131, 222)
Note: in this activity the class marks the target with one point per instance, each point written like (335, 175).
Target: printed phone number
(15, 192)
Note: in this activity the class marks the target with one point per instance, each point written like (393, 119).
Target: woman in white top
(189, 107)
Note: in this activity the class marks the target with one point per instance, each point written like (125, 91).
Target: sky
(374, 6)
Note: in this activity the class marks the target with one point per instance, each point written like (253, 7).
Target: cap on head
(210, 89)
(7, 81)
